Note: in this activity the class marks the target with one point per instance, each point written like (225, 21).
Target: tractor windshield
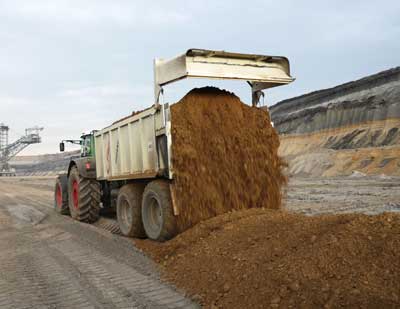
(86, 148)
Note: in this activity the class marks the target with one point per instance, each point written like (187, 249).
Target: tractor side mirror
(62, 147)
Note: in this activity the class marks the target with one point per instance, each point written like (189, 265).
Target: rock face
(353, 126)
(43, 165)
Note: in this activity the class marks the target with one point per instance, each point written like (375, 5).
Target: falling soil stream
(225, 156)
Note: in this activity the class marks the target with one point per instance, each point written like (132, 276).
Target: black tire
(129, 210)
(61, 195)
(157, 213)
(83, 197)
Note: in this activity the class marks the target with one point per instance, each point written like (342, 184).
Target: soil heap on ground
(225, 156)
(259, 258)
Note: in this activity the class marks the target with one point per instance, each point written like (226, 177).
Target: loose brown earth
(225, 156)
(258, 258)
(261, 254)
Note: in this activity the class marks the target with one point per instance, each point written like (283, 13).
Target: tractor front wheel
(83, 197)
(61, 195)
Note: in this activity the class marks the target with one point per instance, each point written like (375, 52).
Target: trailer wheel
(61, 195)
(83, 197)
(129, 210)
(157, 212)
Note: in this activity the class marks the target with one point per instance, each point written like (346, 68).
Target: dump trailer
(127, 166)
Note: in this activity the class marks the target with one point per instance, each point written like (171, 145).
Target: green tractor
(77, 192)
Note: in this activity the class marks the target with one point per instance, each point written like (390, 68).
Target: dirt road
(358, 194)
(51, 261)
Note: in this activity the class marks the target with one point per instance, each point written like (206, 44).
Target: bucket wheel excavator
(8, 151)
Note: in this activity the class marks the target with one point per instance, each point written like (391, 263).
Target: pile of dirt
(225, 156)
(258, 258)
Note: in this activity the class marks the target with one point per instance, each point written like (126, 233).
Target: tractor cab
(86, 142)
(87, 145)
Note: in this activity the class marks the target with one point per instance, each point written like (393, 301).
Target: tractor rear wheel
(157, 212)
(83, 197)
(129, 210)
(61, 194)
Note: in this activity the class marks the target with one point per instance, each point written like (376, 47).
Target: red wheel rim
(75, 194)
(59, 196)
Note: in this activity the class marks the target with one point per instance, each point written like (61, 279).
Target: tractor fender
(86, 167)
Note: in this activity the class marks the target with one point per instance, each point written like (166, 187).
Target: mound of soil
(260, 258)
(225, 156)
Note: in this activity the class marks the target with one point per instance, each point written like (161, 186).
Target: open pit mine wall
(329, 125)
(43, 165)
(373, 98)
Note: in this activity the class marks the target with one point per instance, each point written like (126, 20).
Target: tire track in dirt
(60, 263)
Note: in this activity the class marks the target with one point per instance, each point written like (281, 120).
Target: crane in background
(8, 151)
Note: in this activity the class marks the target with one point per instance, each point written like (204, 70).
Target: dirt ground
(260, 258)
(318, 252)
(51, 261)
(353, 194)
(304, 256)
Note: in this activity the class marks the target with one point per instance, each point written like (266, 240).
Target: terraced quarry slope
(43, 165)
(347, 128)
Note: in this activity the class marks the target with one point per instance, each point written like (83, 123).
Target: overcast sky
(73, 65)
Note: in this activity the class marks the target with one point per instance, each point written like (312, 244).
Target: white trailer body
(139, 146)
(136, 147)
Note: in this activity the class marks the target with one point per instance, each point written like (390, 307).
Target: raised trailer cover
(261, 71)
(136, 147)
